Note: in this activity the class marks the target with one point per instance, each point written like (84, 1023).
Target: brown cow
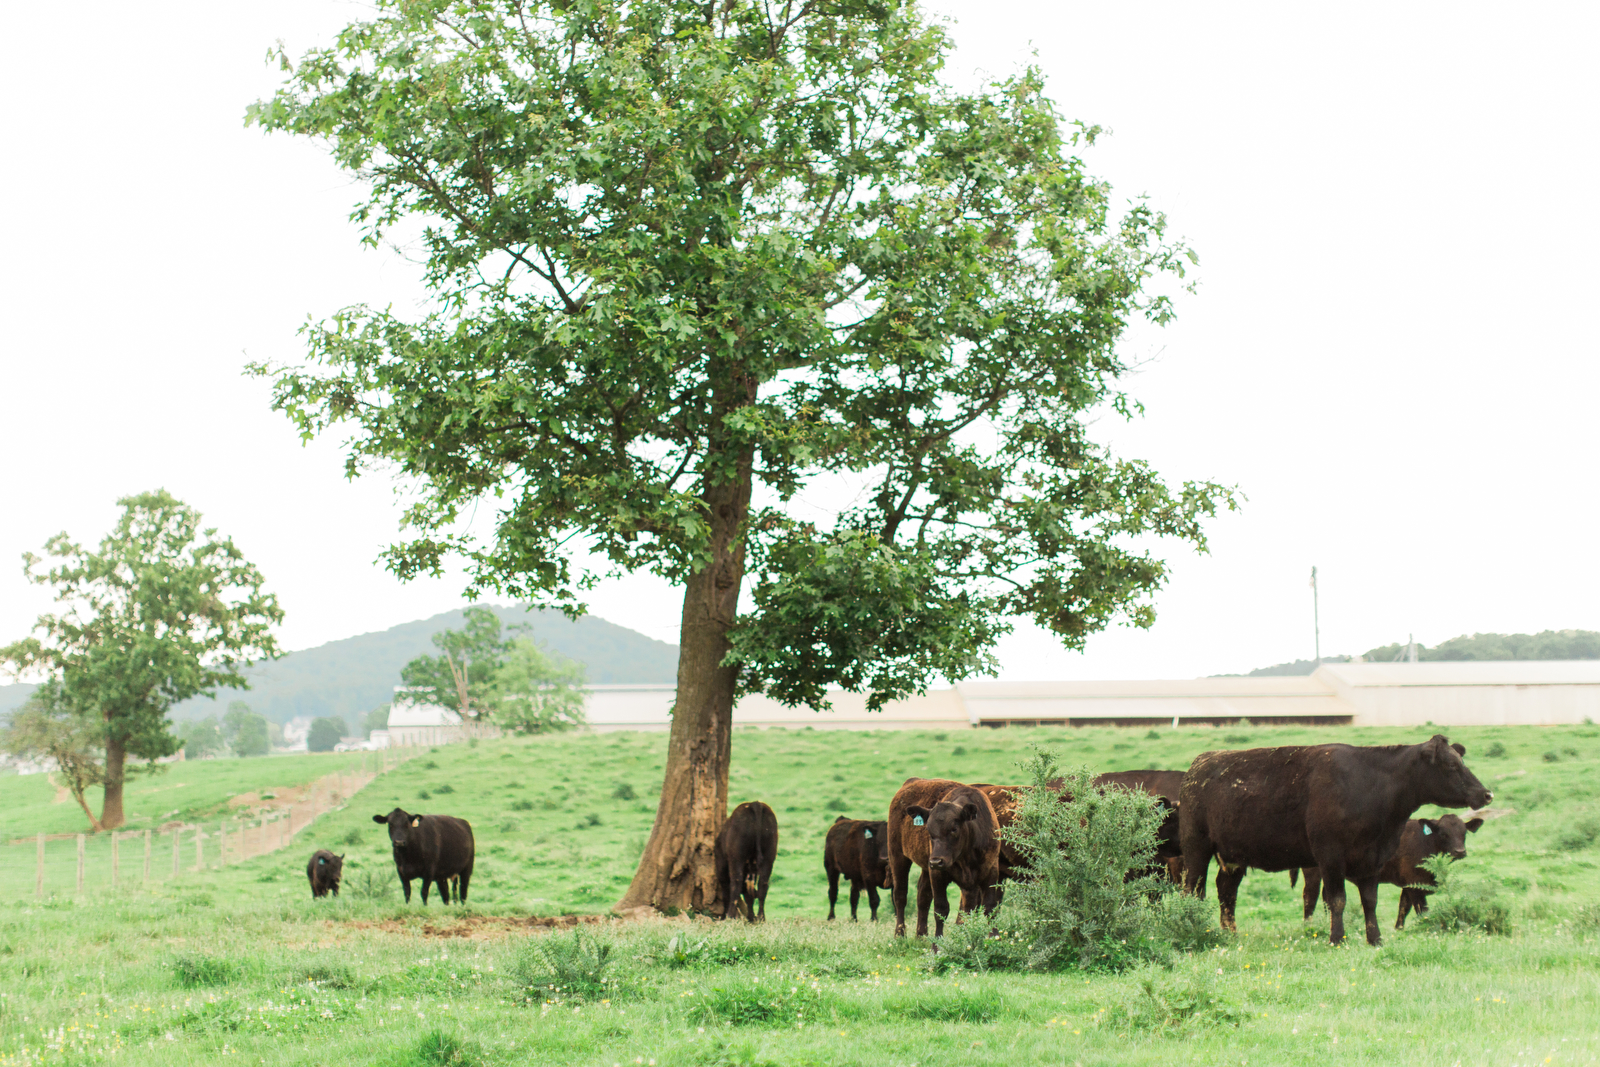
(858, 850)
(745, 848)
(950, 831)
(1422, 839)
(1341, 808)
(323, 871)
(1167, 785)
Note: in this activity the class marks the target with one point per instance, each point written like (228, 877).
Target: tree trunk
(676, 871)
(111, 810)
(77, 793)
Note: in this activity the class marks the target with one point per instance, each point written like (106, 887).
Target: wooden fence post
(80, 863)
(147, 855)
(114, 860)
(38, 875)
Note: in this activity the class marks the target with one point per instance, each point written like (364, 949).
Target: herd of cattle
(1327, 813)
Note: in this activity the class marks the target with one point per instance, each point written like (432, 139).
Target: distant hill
(351, 677)
(348, 678)
(1547, 644)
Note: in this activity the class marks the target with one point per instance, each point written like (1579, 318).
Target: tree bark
(111, 809)
(84, 804)
(676, 872)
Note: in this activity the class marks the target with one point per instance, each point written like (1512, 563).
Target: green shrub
(446, 788)
(591, 819)
(959, 750)
(836, 804)
(424, 795)
(1495, 750)
(1153, 735)
(975, 947)
(1237, 739)
(574, 967)
(1188, 923)
(1080, 908)
(353, 837)
(1552, 756)
(623, 791)
(199, 972)
(368, 884)
(437, 1048)
(430, 765)
(1463, 901)
(522, 805)
(1177, 1004)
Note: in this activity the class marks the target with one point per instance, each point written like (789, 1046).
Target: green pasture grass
(241, 960)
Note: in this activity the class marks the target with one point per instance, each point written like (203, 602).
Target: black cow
(860, 851)
(1340, 808)
(950, 831)
(1168, 786)
(435, 848)
(1422, 839)
(323, 871)
(745, 848)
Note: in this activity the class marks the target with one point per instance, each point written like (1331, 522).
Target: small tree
(202, 738)
(50, 729)
(161, 611)
(245, 731)
(325, 733)
(462, 677)
(536, 692)
(376, 719)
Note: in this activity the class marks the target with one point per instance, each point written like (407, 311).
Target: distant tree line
(1544, 645)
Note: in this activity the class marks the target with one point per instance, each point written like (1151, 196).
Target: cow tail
(1294, 877)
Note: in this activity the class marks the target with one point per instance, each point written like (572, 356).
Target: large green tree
(731, 289)
(461, 677)
(161, 611)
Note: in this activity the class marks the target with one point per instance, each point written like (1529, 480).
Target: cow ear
(1461, 750)
(341, 857)
(1473, 824)
(380, 819)
(918, 813)
(1433, 748)
(969, 813)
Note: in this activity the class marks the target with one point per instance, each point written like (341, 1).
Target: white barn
(417, 722)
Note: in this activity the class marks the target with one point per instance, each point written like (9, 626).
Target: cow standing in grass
(743, 854)
(1340, 808)
(1422, 839)
(1168, 786)
(949, 830)
(859, 851)
(434, 848)
(323, 871)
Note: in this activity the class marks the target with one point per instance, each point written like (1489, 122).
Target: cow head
(1448, 833)
(947, 825)
(875, 852)
(1445, 778)
(400, 824)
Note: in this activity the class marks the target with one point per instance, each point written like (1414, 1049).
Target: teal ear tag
(1426, 829)
(917, 821)
(869, 835)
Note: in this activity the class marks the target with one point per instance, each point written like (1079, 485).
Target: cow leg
(1308, 896)
(1196, 864)
(405, 884)
(855, 900)
(427, 883)
(1333, 897)
(461, 886)
(1228, 879)
(833, 889)
(872, 901)
(1368, 890)
(1405, 909)
(941, 903)
(899, 884)
(924, 898)
(444, 890)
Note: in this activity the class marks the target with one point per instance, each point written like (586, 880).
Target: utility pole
(1316, 619)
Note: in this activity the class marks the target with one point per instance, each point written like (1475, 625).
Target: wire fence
(45, 865)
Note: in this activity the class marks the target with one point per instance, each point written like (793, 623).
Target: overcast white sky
(1391, 351)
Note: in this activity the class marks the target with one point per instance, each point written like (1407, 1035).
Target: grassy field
(242, 961)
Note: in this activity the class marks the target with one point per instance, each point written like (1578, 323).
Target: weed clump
(1464, 902)
(1178, 1004)
(424, 795)
(446, 788)
(437, 1048)
(522, 805)
(200, 972)
(1586, 920)
(1495, 750)
(959, 750)
(1579, 834)
(1552, 756)
(570, 968)
(757, 1003)
(329, 976)
(624, 791)
(369, 885)
(353, 837)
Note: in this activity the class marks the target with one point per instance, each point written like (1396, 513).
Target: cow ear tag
(1426, 829)
(916, 820)
(869, 835)
(416, 820)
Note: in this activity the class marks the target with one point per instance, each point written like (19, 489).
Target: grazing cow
(746, 846)
(435, 848)
(1167, 785)
(950, 831)
(859, 851)
(1341, 808)
(1422, 839)
(323, 871)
